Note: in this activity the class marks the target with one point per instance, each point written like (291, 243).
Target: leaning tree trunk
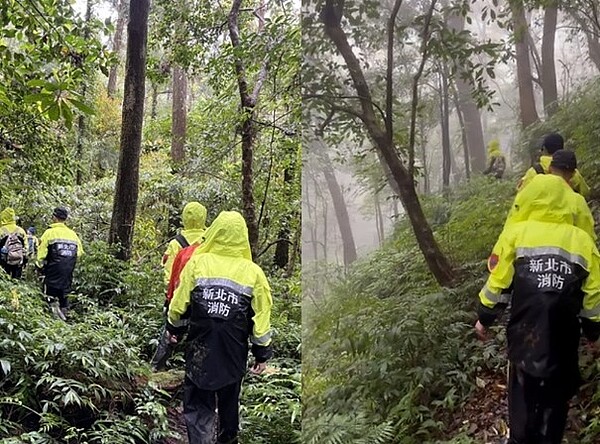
(437, 262)
(179, 119)
(529, 114)
(126, 187)
(548, 67)
(111, 87)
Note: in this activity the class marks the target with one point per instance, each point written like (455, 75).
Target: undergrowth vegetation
(393, 357)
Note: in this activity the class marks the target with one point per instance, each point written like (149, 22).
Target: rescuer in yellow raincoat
(554, 269)
(229, 302)
(552, 143)
(532, 199)
(13, 244)
(194, 225)
(497, 160)
(58, 252)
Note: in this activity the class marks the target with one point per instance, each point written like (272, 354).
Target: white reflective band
(179, 322)
(263, 340)
(539, 251)
(491, 296)
(62, 241)
(224, 282)
(591, 313)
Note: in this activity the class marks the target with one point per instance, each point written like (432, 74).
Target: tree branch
(415, 90)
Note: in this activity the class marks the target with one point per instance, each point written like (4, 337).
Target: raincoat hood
(547, 198)
(227, 236)
(194, 216)
(7, 216)
(494, 148)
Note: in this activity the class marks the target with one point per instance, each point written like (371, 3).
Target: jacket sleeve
(591, 293)
(583, 216)
(43, 249)
(168, 259)
(530, 174)
(492, 298)
(181, 299)
(261, 331)
(579, 184)
(80, 251)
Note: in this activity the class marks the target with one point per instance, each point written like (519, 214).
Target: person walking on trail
(57, 255)
(194, 225)
(544, 188)
(33, 243)
(165, 346)
(497, 160)
(229, 301)
(554, 269)
(552, 143)
(13, 245)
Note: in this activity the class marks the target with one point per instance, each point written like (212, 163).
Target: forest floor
(484, 417)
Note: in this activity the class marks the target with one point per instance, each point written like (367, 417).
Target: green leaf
(5, 366)
(38, 97)
(82, 106)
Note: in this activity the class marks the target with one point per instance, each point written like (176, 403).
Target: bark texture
(126, 187)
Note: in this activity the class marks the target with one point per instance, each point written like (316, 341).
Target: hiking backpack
(13, 251)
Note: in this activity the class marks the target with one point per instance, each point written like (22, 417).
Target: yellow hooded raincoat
(230, 301)
(578, 183)
(554, 269)
(534, 203)
(194, 225)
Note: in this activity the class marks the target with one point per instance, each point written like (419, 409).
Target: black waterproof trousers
(537, 407)
(199, 410)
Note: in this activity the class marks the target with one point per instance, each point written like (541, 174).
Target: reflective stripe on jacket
(554, 269)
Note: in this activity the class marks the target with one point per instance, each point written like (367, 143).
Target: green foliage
(388, 345)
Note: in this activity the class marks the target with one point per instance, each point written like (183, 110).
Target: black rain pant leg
(52, 293)
(228, 399)
(199, 413)
(537, 407)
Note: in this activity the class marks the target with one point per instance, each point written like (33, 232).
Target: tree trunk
(126, 187)
(341, 210)
(282, 250)
(528, 113)
(548, 67)
(463, 134)
(179, 116)
(248, 128)
(426, 186)
(379, 219)
(436, 261)
(111, 87)
(445, 125)
(470, 112)
(154, 101)
(81, 120)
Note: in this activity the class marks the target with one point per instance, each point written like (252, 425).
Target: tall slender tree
(127, 184)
